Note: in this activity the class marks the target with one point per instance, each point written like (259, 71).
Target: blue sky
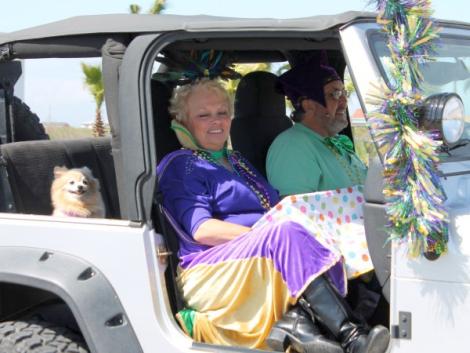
(55, 79)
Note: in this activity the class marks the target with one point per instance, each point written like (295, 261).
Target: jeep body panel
(429, 300)
(94, 304)
(123, 257)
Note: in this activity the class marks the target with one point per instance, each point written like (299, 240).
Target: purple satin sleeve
(186, 195)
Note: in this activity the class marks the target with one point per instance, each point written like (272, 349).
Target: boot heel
(278, 340)
(378, 340)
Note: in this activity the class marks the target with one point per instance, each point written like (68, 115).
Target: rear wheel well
(25, 302)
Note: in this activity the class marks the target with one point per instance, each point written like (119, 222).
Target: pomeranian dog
(76, 193)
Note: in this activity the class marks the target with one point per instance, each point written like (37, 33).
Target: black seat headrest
(257, 97)
(260, 115)
(166, 140)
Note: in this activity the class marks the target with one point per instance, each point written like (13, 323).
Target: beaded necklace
(352, 170)
(244, 172)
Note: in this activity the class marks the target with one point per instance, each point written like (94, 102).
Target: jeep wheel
(35, 336)
(27, 125)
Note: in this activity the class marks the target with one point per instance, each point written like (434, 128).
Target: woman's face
(207, 118)
(334, 114)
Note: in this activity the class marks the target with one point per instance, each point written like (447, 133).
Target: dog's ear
(59, 171)
(87, 171)
(94, 181)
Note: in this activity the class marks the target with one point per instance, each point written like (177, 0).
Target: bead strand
(242, 169)
(352, 170)
(257, 187)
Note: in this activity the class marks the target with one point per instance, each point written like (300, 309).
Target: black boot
(334, 313)
(297, 329)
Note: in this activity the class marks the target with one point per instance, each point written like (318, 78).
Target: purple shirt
(195, 190)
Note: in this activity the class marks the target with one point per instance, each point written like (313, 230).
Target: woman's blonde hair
(178, 103)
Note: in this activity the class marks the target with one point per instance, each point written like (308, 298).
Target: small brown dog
(76, 193)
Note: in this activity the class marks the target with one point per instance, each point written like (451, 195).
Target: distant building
(89, 125)
(358, 118)
(55, 124)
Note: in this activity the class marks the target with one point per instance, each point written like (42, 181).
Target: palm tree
(93, 74)
(134, 9)
(348, 83)
(157, 7)
(94, 83)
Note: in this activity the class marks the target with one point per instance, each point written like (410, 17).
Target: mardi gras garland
(412, 190)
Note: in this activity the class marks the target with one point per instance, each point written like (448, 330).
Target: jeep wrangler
(107, 285)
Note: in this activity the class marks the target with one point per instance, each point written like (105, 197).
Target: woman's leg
(292, 241)
(300, 258)
(239, 289)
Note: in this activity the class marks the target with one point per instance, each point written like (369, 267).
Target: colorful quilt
(335, 218)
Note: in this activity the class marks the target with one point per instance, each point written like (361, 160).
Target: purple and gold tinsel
(412, 188)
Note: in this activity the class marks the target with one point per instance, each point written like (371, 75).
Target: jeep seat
(30, 168)
(166, 142)
(165, 138)
(260, 115)
(375, 218)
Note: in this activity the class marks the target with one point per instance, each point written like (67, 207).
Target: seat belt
(165, 223)
(158, 203)
(5, 118)
(10, 71)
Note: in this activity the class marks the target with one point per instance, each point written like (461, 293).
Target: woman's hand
(215, 232)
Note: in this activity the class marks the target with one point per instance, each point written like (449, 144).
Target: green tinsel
(412, 189)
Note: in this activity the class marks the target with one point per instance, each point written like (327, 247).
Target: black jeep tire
(37, 336)
(27, 124)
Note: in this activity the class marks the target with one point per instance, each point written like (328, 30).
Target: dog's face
(74, 183)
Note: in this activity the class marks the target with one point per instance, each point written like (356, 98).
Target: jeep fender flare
(89, 295)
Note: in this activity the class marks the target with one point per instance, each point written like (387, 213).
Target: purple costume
(278, 261)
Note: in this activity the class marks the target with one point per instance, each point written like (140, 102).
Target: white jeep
(107, 285)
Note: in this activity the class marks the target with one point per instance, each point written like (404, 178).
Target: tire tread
(37, 336)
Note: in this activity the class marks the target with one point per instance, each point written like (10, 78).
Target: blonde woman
(243, 286)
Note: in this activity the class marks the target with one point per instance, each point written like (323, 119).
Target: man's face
(334, 114)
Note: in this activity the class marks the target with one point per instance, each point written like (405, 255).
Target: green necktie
(341, 144)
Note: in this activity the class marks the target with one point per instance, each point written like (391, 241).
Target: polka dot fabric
(335, 218)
